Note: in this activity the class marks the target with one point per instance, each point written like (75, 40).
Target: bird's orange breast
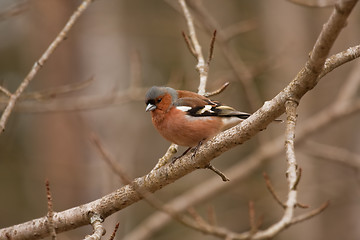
(179, 128)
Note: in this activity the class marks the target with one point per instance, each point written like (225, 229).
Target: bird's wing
(203, 107)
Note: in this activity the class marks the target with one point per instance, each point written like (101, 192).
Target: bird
(187, 118)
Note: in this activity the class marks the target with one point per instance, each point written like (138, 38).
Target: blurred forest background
(119, 43)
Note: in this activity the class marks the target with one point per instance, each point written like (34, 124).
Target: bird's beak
(150, 107)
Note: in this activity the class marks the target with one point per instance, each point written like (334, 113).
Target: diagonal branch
(40, 63)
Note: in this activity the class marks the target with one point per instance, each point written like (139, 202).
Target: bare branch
(5, 91)
(252, 218)
(40, 63)
(290, 172)
(314, 3)
(310, 214)
(201, 66)
(167, 156)
(298, 177)
(339, 59)
(83, 103)
(99, 230)
(42, 95)
(13, 10)
(238, 28)
(218, 172)
(336, 154)
(211, 50)
(211, 215)
(218, 91)
(189, 44)
(196, 216)
(351, 86)
(50, 214)
(112, 237)
(272, 191)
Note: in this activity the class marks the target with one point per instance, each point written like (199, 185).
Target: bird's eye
(159, 100)
(150, 101)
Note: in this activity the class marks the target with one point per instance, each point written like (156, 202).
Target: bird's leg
(176, 158)
(196, 148)
(187, 150)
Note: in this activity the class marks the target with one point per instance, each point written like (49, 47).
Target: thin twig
(299, 172)
(82, 103)
(218, 91)
(189, 44)
(108, 159)
(272, 191)
(196, 216)
(218, 172)
(310, 214)
(238, 28)
(339, 59)
(13, 10)
(167, 156)
(332, 153)
(51, 93)
(211, 215)
(112, 237)
(40, 63)
(5, 91)
(252, 218)
(211, 51)
(201, 66)
(50, 214)
(291, 172)
(350, 88)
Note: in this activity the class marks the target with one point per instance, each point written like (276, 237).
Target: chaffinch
(187, 118)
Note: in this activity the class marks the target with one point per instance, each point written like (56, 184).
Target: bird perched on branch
(187, 118)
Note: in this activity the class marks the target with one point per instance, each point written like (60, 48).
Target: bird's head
(160, 98)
